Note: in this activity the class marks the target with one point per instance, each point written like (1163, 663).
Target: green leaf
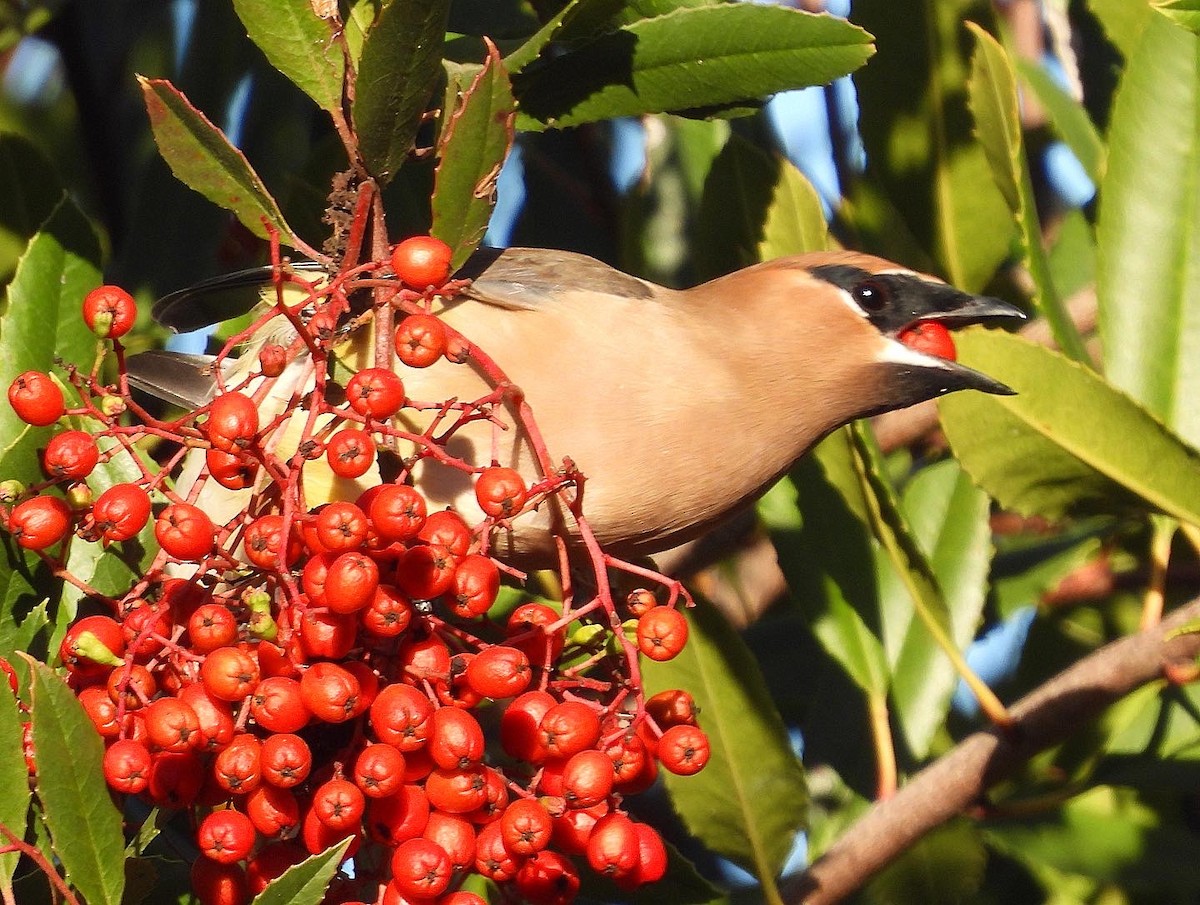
(948, 518)
(397, 75)
(201, 157)
(1068, 443)
(1181, 12)
(84, 824)
(305, 883)
(14, 803)
(1148, 279)
(993, 96)
(822, 544)
(474, 143)
(40, 320)
(691, 58)
(299, 44)
(918, 137)
(1067, 117)
(751, 798)
(795, 221)
(1122, 21)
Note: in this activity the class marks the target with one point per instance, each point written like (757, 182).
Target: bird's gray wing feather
(531, 278)
(176, 377)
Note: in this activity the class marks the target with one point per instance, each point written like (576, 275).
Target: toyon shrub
(296, 671)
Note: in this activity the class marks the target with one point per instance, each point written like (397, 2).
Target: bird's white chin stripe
(896, 352)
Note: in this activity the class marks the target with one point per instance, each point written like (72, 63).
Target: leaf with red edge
(201, 157)
(300, 44)
(474, 143)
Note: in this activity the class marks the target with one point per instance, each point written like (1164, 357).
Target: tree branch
(1048, 715)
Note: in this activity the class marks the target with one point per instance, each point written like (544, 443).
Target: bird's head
(847, 314)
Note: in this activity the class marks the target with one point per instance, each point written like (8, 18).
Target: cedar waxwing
(679, 406)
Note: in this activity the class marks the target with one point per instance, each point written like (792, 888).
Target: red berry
(350, 452)
(121, 512)
(501, 492)
(389, 613)
(421, 869)
(278, 705)
(238, 766)
(272, 359)
(476, 586)
(455, 738)
(568, 728)
(127, 766)
(232, 422)
(40, 522)
(587, 778)
(263, 543)
(286, 760)
(375, 393)
(341, 526)
(225, 836)
(109, 311)
(526, 827)
(519, 735)
(172, 724)
(447, 529)
(929, 338)
(548, 878)
(425, 572)
(612, 848)
(420, 340)
(379, 770)
(70, 456)
(397, 512)
(36, 398)
(400, 716)
(421, 262)
(339, 804)
(351, 582)
(272, 810)
(229, 674)
(230, 470)
(684, 750)
(499, 672)
(210, 627)
(329, 692)
(185, 532)
(455, 835)
(662, 632)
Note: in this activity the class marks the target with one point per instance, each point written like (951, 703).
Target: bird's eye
(871, 295)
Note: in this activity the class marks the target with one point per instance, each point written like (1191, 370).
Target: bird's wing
(177, 377)
(219, 298)
(532, 278)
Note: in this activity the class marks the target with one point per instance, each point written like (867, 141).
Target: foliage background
(1090, 473)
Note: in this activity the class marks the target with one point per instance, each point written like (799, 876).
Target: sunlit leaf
(1068, 442)
(299, 44)
(84, 824)
(305, 883)
(993, 95)
(474, 143)
(685, 60)
(750, 800)
(1148, 282)
(201, 157)
(919, 139)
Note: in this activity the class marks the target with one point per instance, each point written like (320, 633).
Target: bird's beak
(953, 308)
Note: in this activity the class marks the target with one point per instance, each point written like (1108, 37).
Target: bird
(680, 406)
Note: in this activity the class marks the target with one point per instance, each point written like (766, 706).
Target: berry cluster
(309, 671)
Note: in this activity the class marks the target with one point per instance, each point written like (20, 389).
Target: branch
(1048, 715)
